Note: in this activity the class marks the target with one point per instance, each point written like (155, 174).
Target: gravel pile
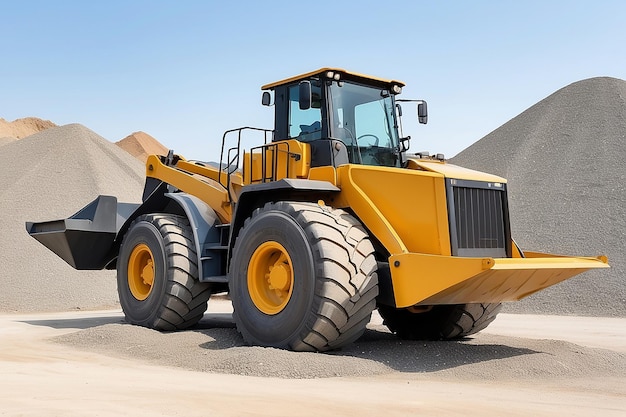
(564, 159)
(485, 357)
(6, 140)
(51, 175)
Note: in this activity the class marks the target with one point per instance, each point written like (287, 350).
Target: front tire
(442, 322)
(303, 277)
(157, 274)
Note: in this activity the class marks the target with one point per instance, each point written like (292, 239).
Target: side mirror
(305, 95)
(422, 112)
(266, 99)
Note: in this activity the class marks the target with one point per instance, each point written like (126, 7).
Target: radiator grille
(480, 224)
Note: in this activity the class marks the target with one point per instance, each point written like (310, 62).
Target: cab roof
(343, 74)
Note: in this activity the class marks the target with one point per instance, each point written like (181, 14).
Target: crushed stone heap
(5, 140)
(51, 175)
(565, 161)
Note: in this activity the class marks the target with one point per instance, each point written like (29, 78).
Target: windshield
(363, 118)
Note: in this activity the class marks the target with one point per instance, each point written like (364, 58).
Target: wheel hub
(141, 272)
(279, 278)
(270, 277)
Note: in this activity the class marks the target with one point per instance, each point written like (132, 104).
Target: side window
(305, 125)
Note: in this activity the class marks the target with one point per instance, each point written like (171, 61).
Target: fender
(203, 220)
(205, 225)
(207, 237)
(287, 189)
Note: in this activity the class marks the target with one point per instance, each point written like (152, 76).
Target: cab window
(305, 125)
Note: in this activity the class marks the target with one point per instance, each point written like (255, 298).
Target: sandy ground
(42, 376)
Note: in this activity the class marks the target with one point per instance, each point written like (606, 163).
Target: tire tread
(444, 322)
(185, 299)
(346, 281)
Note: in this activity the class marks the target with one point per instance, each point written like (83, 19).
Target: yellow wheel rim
(270, 277)
(141, 272)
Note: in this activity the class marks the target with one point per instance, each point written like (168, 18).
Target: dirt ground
(522, 365)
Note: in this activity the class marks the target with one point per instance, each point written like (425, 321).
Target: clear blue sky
(185, 71)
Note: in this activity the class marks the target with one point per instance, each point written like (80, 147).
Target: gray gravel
(564, 159)
(216, 347)
(6, 140)
(51, 175)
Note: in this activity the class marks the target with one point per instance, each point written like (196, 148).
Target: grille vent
(478, 218)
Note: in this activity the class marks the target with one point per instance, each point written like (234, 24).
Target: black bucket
(86, 239)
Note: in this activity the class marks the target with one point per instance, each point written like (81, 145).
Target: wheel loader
(329, 218)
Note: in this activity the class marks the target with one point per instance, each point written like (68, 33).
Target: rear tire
(442, 322)
(303, 277)
(157, 274)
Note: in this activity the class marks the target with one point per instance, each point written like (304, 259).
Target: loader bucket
(85, 239)
(430, 279)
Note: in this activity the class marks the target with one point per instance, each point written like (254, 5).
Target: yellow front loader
(329, 218)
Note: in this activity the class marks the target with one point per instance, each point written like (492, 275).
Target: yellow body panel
(327, 173)
(427, 279)
(210, 172)
(285, 159)
(453, 171)
(201, 186)
(405, 209)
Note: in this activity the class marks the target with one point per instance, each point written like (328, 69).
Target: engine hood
(452, 171)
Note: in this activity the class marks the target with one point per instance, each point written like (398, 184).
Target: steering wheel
(376, 140)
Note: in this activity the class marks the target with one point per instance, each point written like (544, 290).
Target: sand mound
(140, 145)
(564, 159)
(51, 175)
(21, 128)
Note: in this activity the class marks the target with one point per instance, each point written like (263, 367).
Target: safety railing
(229, 166)
(269, 155)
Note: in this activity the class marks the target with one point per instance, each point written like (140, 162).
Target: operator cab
(345, 117)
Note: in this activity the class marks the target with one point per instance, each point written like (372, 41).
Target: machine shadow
(426, 355)
(379, 345)
(376, 345)
(77, 323)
